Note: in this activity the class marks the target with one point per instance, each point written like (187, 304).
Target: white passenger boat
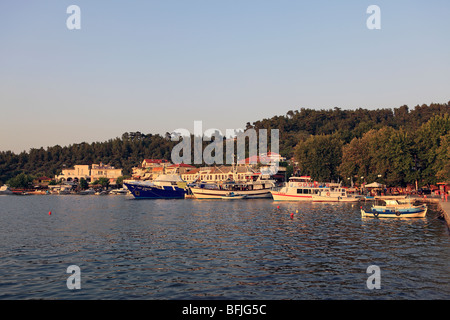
(122, 191)
(334, 194)
(304, 189)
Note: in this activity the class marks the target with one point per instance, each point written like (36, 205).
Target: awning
(374, 185)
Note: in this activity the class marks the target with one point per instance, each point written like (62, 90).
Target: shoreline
(445, 209)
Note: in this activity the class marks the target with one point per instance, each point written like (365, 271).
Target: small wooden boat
(87, 192)
(102, 193)
(233, 196)
(394, 209)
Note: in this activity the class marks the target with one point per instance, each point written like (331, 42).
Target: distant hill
(297, 125)
(347, 124)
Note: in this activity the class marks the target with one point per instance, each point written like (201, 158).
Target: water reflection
(229, 250)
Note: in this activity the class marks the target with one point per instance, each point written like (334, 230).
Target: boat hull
(156, 192)
(204, 193)
(234, 197)
(334, 199)
(279, 196)
(395, 213)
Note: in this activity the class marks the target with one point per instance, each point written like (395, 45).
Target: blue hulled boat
(165, 187)
(396, 208)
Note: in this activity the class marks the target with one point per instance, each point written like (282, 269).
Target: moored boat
(304, 189)
(251, 189)
(87, 192)
(122, 191)
(165, 187)
(4, 190)
(334, 195)
(396, 208)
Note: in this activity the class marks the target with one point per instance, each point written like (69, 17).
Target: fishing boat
(396, 208)
(234, 196)
(164, 187)
(251, 189)
(304, 189)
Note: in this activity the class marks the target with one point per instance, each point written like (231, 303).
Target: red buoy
(292, 215)
(49, 213)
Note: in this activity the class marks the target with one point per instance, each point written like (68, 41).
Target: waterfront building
(192, 175)
(220, 174)
(41, 182)
(89, 173)
(105, 171)
(150, 169)
(179, 168)
(266, 158)
(75, 173)
(151, 163)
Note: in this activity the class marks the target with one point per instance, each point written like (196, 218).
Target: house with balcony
(89, 173)
(74, 174)
(105, 171)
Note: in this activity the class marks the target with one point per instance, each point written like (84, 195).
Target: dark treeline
(347, 124)
(125, 152)
(397, 146)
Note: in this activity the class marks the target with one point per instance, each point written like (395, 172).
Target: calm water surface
(193, 249)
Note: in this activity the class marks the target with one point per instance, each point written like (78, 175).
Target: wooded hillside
(399, 144)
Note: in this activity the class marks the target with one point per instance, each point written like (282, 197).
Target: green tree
(21, 181)
(428, 141)
(319, 157)
(83, 184)
(442, 165)
(104, 182)
(385, 155)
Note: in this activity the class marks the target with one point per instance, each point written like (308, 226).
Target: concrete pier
(445, 207)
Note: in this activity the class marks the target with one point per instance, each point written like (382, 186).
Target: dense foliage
(125, 152)
(394, 146)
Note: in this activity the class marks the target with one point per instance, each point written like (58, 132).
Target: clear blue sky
(155, 66)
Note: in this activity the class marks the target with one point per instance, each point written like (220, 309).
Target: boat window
(299, 191)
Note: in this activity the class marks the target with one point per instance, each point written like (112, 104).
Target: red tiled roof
(194, 171)
(178, 165)
(156, 160)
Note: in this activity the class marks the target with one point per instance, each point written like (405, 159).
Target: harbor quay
(247, 178)
(445, 210)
